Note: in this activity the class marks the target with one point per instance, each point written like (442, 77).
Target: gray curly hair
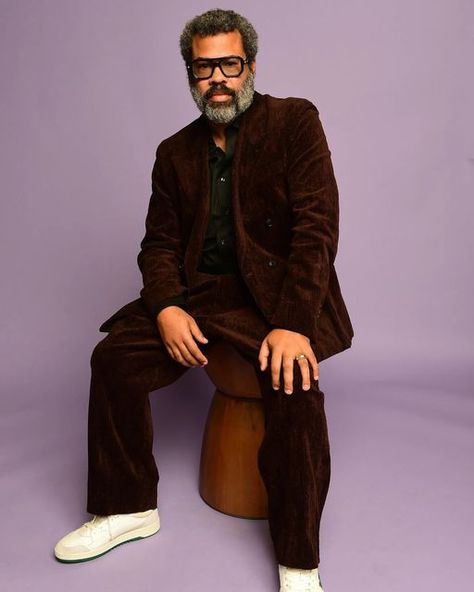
(217, 21)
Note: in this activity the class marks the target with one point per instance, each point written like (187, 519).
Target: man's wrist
(178, 300)
(272, 327)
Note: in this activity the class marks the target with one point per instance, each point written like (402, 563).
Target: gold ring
(300, 356)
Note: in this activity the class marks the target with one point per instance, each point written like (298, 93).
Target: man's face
(222, 98)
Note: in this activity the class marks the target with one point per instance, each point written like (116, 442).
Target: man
(241, 237)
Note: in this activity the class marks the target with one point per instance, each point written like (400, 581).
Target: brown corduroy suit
(282, 172)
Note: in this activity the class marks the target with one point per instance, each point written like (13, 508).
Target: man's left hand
(284, 345)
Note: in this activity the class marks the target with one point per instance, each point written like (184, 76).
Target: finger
(187, 354)
(176, 355)
(275, 364)
(181, 354)
(196, 332)
(288, 364)
(314, 364)
(305, 377)
(194, 351)
(170, 351)
(263, 355)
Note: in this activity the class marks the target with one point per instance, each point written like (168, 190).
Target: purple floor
(399, 514)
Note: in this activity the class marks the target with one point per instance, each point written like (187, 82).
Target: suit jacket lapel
(249, 148)
(198, 186)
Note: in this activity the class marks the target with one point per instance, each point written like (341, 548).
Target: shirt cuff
(178, 300)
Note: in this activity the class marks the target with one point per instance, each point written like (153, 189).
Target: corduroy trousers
(131, 361)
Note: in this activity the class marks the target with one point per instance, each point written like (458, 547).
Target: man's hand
(178, 330)
(284, 346)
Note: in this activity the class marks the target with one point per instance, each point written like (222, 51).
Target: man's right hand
(178, 330)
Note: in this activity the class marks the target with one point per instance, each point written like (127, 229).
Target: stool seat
(229, 478)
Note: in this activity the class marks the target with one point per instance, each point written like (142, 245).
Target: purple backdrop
(88, 89)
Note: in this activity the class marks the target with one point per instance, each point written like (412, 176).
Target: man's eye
(231, 63)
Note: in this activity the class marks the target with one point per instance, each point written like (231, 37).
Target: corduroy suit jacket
(286, 218)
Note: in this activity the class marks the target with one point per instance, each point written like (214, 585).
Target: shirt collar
(234, 124)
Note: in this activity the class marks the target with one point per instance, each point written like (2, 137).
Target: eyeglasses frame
(216, 62)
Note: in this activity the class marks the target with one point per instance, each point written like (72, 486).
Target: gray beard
(219, 113)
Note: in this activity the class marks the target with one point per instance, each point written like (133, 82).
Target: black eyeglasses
(230, 66)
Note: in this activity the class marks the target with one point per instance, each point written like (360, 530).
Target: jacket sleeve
(172, 301)
(314, 207)
(161, 255)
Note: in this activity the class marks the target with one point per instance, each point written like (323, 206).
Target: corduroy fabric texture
(286, 219)
(132, 361)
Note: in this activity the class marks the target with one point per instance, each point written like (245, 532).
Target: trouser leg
(294, 461)
(294, 457)
(129, 363)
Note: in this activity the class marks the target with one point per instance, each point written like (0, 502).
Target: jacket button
(268, 222)
(271, 263)
(180, 266)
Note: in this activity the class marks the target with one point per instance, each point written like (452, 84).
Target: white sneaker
(299, 580)
(103, 533)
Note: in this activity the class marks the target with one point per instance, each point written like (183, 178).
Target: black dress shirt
(218, 254)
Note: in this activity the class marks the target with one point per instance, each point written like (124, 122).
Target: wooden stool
(229, 478)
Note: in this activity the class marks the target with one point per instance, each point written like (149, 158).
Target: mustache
(221, 89)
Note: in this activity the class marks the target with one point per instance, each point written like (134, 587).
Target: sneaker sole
(127, 537)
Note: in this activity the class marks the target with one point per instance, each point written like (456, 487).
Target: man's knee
(102, 356)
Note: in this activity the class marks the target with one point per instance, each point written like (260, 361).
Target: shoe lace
(96, 521)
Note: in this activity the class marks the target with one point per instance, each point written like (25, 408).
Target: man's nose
(217, 76)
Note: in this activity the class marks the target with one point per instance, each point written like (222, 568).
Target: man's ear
(253, 67)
